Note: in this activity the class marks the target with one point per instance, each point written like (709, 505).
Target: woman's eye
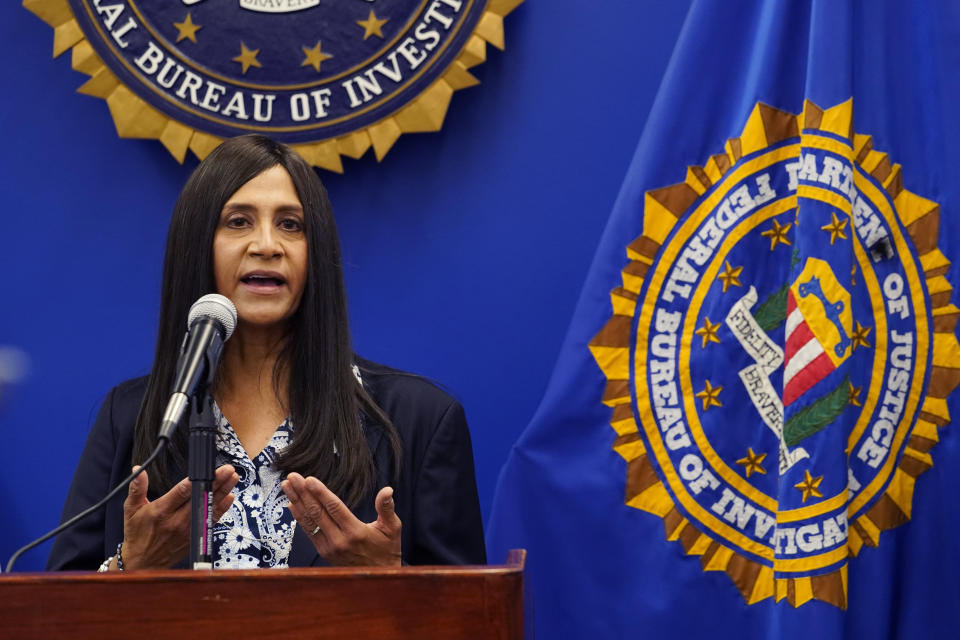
(237, 222)
(291, 224)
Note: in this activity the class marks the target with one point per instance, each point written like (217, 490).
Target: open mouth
(263, 281)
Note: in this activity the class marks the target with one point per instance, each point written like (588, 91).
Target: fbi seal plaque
(329, 77)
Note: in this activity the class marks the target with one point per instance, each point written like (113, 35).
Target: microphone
(210, 323)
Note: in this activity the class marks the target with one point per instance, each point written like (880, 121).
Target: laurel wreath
(816, 416)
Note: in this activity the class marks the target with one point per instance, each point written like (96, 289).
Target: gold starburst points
(247, 58)
(314, 56)
(613, 360)
(425, 112)
(187, 30)
(777, 234)
(372, 25)
(859, 336)
(835, 228)
(854, 397)
(709, 396)
(809, 486)
(708, 332)
(730, 276)
(752, 462)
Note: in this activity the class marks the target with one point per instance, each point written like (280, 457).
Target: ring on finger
(315, 530)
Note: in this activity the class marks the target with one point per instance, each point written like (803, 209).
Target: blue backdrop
(465, 250)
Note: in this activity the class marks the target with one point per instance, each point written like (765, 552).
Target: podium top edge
(515, 562)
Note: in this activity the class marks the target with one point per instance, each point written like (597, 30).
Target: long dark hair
(325, 400)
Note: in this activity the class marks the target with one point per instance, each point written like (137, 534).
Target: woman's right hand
(157, 533)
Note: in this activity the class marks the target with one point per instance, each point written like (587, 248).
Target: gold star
(859, 336)
(752, 462)
(809, 486)
(372, 25)
(314, 57)
(730, 276)
(186, 29)
(709, 396)
(835, 228)
(708, 331)
(854, 397)
(777, 234)
(247, 58)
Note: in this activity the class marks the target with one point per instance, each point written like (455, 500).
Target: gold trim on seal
(610, 347)
(135, 118)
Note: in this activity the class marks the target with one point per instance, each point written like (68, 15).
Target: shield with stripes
(818, 325)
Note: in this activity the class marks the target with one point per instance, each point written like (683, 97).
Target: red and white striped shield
(817, 329)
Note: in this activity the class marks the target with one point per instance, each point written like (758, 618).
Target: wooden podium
(472, 603)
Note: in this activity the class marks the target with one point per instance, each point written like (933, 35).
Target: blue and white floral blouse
(258, 529)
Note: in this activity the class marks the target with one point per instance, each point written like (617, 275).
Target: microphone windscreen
(219, 308)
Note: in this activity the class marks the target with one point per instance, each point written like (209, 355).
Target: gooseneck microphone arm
(201, 465)
(211, 321)
(201, 459)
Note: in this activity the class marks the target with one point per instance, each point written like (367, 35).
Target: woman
(324, 458)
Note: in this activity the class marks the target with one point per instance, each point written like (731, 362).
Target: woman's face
(260, 249)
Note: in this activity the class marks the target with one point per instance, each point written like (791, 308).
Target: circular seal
(352, 73)
(780, 354)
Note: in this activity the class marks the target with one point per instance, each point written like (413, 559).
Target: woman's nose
(265, 241)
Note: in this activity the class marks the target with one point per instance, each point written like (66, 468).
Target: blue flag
(748, 433)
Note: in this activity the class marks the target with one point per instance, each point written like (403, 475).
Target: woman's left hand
(340, 538)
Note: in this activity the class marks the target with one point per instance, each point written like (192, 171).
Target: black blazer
(436, 499)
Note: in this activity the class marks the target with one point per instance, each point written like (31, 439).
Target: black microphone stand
(200, 463)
